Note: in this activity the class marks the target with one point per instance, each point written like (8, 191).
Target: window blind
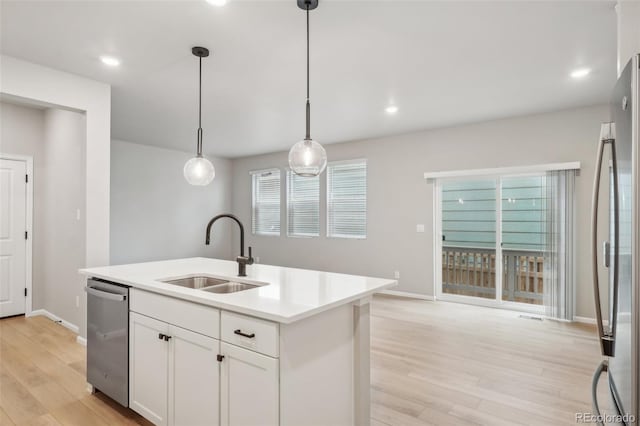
(303, 205)
(347, 199)
(265, 204)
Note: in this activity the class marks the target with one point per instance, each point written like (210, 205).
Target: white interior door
(13, 243)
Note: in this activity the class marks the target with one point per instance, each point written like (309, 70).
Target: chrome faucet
(242, 260)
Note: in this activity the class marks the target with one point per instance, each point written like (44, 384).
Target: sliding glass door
(469, 216)
(492, 240)
(523, 238)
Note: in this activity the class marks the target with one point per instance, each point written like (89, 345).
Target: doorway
(492, 246)
(16, 212)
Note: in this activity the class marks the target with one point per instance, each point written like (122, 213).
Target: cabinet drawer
(192, 316)
(251, 333)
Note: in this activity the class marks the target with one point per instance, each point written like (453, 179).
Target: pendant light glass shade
(199, 171)
(307, 158)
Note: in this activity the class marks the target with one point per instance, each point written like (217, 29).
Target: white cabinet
(194, 374)
(193, 365)
(148, 368)
(249, 388)
(182, 377)
(174, 374)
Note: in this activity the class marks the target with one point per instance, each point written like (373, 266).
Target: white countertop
(291, 294)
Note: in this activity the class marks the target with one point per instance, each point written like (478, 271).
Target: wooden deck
(472, 272)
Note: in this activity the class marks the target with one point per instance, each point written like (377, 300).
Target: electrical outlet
(396, 275)
(77, 301)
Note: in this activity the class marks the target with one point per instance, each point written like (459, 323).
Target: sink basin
(229, 287)
(210, 284)
(196, 282)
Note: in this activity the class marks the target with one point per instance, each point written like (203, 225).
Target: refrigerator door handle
(613, 300)
(607, 136)
(603, 367)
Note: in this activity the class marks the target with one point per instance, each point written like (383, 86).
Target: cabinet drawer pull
(240, 333)
(161, 336)
(220, 358)
(166, 338)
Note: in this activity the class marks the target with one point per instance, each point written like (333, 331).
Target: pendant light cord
(308, 135)
(199, 147)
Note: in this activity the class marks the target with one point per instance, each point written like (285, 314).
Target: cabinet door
(148, 368)
(194, 379)
(249, 390)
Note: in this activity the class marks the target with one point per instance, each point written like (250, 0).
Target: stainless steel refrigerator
(618, 325)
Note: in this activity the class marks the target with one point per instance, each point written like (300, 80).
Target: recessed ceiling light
(110, 61)
(217, 2)
(391, 109)
(580, 73)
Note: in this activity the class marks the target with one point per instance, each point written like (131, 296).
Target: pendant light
(199, 171)
(307, 157)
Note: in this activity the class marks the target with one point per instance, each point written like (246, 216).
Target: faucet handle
(250, 256)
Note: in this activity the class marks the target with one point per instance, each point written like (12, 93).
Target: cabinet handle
(240, 333)
(166, 338)
(220, 358)
(161, 336)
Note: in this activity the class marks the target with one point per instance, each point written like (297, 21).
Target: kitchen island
(292, 349)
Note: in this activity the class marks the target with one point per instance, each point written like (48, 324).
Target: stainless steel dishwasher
(108, 339)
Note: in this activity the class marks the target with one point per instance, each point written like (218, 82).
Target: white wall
(35, 83)
(156, 214)
(62, 249)
(628, 14)
(399, 197)
(56, 141)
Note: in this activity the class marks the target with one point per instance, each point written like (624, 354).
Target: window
(347, 199)
(265, 202)
(303, 205)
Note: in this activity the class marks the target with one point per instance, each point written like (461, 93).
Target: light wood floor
(432, 364)
(451, 364)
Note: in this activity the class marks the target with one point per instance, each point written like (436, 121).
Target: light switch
(420, 227)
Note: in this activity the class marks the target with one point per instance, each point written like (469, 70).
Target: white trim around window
(501, 171)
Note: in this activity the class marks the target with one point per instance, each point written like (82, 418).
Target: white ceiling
(442, 63)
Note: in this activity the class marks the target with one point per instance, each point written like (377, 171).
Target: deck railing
(472, 272)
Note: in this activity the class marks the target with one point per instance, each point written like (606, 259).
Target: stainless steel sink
(229, 287)
(210, 284)
(196, 282)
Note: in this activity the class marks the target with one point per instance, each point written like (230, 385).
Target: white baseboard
(407, 294)
(587, 320)
(55, 318)
(81, 341)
